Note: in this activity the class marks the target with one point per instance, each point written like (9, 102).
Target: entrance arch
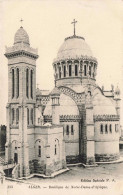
(15, 151)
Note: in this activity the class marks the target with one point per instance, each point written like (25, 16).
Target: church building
(75, 122)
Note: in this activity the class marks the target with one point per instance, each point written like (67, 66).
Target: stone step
(2, 161)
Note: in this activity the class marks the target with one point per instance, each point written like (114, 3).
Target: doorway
(15, 158)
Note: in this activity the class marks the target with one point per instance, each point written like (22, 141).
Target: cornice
(106, 117)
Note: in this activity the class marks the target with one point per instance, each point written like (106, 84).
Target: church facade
(75, 122)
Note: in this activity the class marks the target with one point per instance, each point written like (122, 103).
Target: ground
(78, 180)
(110, 171)
(78, 173)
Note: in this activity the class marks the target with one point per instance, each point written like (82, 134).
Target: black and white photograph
(61, 97)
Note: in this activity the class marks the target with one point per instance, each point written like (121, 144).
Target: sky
(49, 22)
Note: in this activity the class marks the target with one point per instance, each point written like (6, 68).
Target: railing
(16, 171)
(8, 166)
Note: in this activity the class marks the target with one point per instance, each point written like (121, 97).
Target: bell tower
(21, 99)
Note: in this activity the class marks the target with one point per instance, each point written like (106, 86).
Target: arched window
(101, 128)
(94, 67)
(110, 128)
(70, 70)
(27, 83)
(76, 70)
(31, 86)
(106, 128)
(90, 71)
(55, 149)
(17, 87)
(64, 71)
(27, 116)
(13, 83)
(93, 74)
(85, 70)
(32, 116)
(116, 127)
(59, 72)
(17, 115)
(13, 115)
(72, 131)
(39, 151)
(67, 130)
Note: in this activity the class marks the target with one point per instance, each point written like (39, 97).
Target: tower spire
(74, 23)
(21, 21)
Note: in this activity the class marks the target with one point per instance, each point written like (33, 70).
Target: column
(57, 71)
(79, 68)
(82, 68)
(25, 144)
(9, 85)
(87, 69)
(48, 161)
(67, 67)
(20, 152)
(61, 65)
(90, 147)
(83, 63)
(72, 68)
(92, 70)
(29, 85)
(89, 66)
(15, 83)
(55, 109)
(95, 68)
(8, 138)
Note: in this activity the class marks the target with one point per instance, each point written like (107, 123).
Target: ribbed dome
(74, 47)
(21, 36)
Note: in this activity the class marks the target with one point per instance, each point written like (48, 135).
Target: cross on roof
(74, 22)
(21, 21)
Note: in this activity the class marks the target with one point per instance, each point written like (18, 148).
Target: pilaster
(8, 137)
(90, 147)
(48, 161)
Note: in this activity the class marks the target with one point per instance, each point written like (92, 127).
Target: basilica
(75, 122)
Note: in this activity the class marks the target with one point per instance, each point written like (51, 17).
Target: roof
(108, 93)
(21, 36)
(67, 106)
(103, 105)
(42, 92)
(73, 47)
(55, 91)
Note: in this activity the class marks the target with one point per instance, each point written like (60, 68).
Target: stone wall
(73, 159)
(106, 143)
(106, 157)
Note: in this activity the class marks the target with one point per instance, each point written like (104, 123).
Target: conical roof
(55, 91)
(21, 36)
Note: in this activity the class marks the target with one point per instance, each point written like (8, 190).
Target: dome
(67, 106)
(103, 105)
(21, 36)
(55, 91)
(73, 47)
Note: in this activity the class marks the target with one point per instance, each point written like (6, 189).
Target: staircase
(2, 161)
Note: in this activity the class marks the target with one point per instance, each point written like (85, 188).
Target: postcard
(61, 97)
